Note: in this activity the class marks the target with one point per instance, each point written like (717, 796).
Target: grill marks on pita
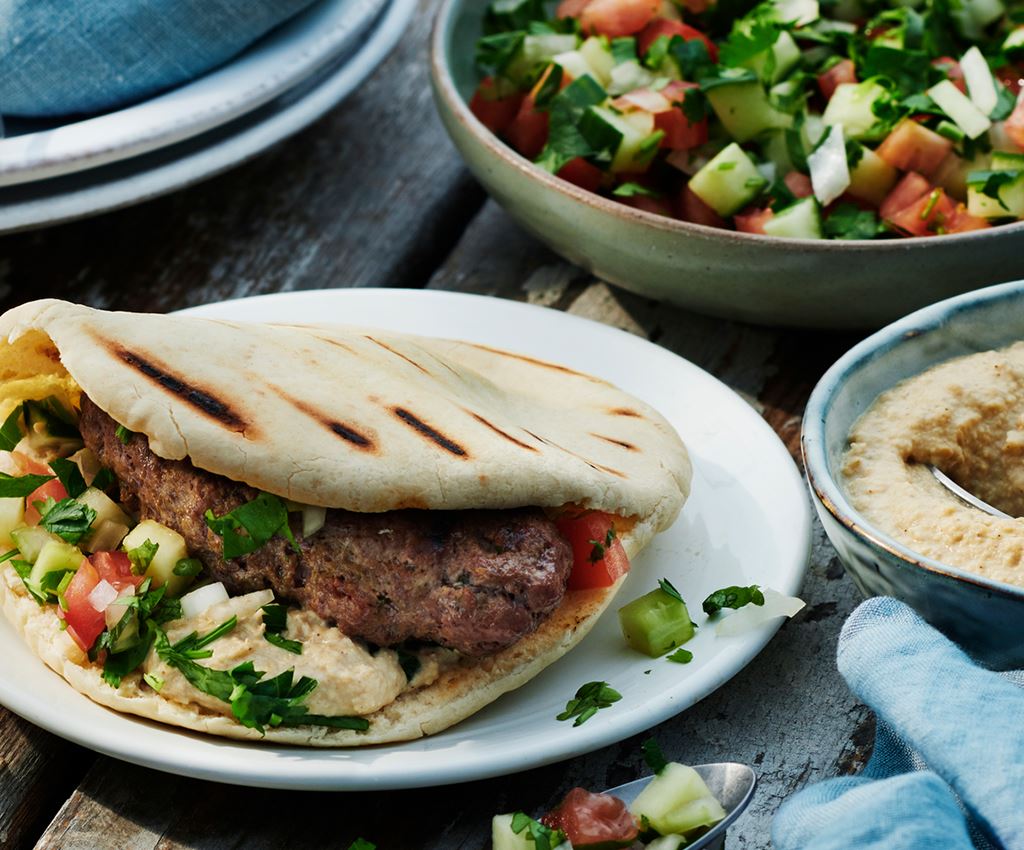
(409, 360)
(535, 362)
(202, 400)
(347, 432)
(501, 433)
(599, 467)
(629, 447)
(425, 430)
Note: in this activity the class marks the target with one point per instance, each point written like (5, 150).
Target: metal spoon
(963, 495)
(732, 784)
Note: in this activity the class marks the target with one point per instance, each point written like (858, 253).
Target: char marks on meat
(476, 581)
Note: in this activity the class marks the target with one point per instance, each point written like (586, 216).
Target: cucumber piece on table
(655, 623)
(677, 801)
(728, 182)
(801, 220)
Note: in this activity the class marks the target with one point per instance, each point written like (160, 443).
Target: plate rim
(310, 768)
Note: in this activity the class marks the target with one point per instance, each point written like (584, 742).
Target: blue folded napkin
(947, 771)
(59, 57)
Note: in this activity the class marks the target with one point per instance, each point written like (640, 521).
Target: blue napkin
(947, 771)
(78, 56)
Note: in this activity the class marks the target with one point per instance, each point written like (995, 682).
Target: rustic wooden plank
(374, 194)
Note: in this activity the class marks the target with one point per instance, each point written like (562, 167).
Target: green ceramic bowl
(811, 283)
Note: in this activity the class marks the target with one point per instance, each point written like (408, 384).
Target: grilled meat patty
(475, 581)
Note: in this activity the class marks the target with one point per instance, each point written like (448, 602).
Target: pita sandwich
(358, 435)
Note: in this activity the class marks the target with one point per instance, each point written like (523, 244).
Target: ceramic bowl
(812, 283)
(982, 615)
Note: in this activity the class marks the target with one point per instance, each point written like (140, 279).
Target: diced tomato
(116, 568)
(655, 29)
(963, 222)
(926, 216)
(680, 134)
(911, 147)
(84, 622)
(52, 489)
(1012, 77)
(571, 8)
(799, 184)
(1014, 125)
(617, 18)
(911, 188)
(593, 820)
(29, 466)
(841, 72)
(528, 131)
(752, 220)
(954, 73)
(598, 561)
(581, 173)
(658, 206)
(692, 208)
(494, 112)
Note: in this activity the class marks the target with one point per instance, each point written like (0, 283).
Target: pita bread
(360, 420)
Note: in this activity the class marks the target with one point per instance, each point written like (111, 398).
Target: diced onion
(959, 108)
(313, 519)
(752, 616)
(115, 610)
(980, 85)
(645, 99)
(628, 76)
(102, 595)
(197, 601)
(830, 172)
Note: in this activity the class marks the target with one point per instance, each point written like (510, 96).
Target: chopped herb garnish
(195, 643)
(188, 567)
(495, 52)
(68, 519)
(281, 642)
(13, 487)
(260, 520)
(275, 621)
(10, 431)
(104, 479)
(543, 837)
(670, 589)
(588, 700)
(55, 418)
(8, 555)
(848, 221)
(409, 662)
(69, 475)
(142, 556)
(631, 189)
(989, 183)
(681, 656)
(732, 597)
(154, 681)
(362, 844)
(123, 434)
(653, 755)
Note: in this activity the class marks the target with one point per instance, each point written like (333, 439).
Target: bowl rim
(819, 405)
(446, 91)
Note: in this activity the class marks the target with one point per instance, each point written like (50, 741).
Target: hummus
(352, 679)
(966, 417)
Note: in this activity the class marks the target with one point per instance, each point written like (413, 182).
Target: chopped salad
(842, 119)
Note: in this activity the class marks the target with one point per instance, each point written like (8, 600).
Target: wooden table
(375, 195)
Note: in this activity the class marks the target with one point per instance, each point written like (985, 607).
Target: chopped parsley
(10, 431)
(12, 487)
(569, 136)
(543, 837)
(69, 475)
(848, 221)
(142, 556)
(653, 755)
(670, 589)
(589, 699)
(681, 656)
(598, 552)
(362, 844)
(260, 520)
(631, 189)
(989, 183)
(275, 621)
(123, 434)
(68, 519)
(188, 567)
(732, 597)
(194, 646)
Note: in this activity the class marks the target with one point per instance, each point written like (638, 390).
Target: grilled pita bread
(355, 419)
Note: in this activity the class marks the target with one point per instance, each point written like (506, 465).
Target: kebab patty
(476, 581)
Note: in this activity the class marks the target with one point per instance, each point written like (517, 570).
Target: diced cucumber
(871, 178)
(775, 63)
(503, 838)
(972, 16)
(170, 549)
(775, 148)
(655, 623)
(1006, 161)
(729, 182)
(1014, 41)
(537, 50)
(1009, 204)
(55, 557)
(852, 105)
(959, 108)
(599, 57)
(31, 540)
(677, 801)
(633, 152)
(576, 65)
(744, 109)
(801, 220)
(105, 507)
(12, 515)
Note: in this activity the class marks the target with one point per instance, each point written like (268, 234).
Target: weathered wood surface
(374, 195)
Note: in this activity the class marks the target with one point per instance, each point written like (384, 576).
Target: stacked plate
(52, 172)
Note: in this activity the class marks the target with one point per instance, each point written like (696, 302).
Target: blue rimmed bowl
(983, 616)
(761, 279)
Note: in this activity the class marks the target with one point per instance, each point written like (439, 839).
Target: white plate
(147, 176)
(747, 521)
(273, 65)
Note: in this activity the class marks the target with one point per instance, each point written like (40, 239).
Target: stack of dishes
(55, 171)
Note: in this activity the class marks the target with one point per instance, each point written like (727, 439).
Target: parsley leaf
(188, 567)
(68, 519)
(629, 190)
(588, 700)
(10, 431)
(566, 137)
(261, 519)
(142, 556)
(910, 70)
(495, 52)
(543, 837)
(275, 621)
(123, 434)
(624, 50)
(1005, 103)
(362, 844)
(69, 475)
(670, 589)
(748, 40)
(990, 183)
(512, 14)
(653, 755)
(692, 58)
(848, 221)
(681, 656)
(732, 597)
(13, 487)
